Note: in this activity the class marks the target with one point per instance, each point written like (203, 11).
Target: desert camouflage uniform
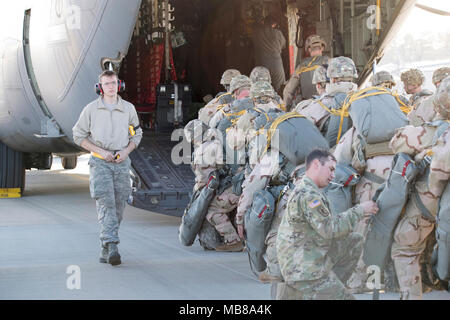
(410, 237)
(307, 249)
(413, 229)
(223, 205)
(207, 157)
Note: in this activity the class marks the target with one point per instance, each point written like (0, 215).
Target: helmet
(314, 40)
(320, 75)
(261, 89)
(413, 77)
(240, 82)
(228, 75)
(442, 98)
(381, 77)
(260, 74)
(440, 74)
(342, 67)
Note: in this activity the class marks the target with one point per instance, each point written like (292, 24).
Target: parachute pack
(390, 197)
(195, 213)
(258, 220)
(442, 251)
(295, 137)
(375, 114)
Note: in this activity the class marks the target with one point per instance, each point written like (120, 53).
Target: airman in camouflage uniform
(265, 173)
(223, 205)
(242, 135)
(103, 129)
(417, 223)
(422, 108)
(309, 255)
(207, 112)
(374, 168)
(207, 153)
(383, 79)
(374, 171)
(386, 80)
(207, 157)
(299, 86)
(341, 72)
(439, 75)
(260, 73)
(240, 89)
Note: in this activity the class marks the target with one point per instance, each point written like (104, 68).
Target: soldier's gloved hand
(108, 156)
(240, 229)
(369, 207)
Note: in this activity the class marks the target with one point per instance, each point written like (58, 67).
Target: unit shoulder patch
(314, 204)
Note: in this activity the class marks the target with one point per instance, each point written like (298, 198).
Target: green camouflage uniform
(311, 244)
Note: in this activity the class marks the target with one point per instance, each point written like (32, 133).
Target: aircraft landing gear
(69, 162)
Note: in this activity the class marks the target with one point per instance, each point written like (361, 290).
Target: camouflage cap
(314, 39)
(381, 77)
(442, 98)
(413, 77)
(240, 81)
(440, 74)
(260, 73)
(342, 67)
(320, 75)
(194, 130)
(228, 75)
(261, 89)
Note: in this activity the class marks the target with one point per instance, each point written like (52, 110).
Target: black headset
(120, 87)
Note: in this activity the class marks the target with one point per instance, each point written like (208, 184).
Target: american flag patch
(314, 204)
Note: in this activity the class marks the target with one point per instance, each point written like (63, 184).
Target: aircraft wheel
(12, 169)
(69, 162)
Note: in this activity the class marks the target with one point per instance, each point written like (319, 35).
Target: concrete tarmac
(49, 249)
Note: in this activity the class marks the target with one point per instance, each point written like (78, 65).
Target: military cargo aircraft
(170, 53)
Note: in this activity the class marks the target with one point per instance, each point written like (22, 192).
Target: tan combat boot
(231, 247)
